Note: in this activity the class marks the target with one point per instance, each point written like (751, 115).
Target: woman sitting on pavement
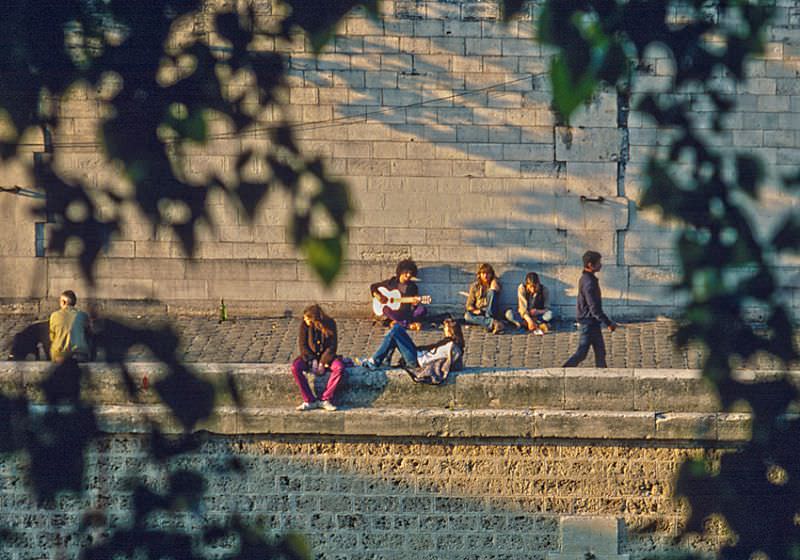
(415, 356)
(317, 345)
(482, 301)
(531, 306)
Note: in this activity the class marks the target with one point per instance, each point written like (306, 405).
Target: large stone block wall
(438, 117)
(487, 466)
(360, 498)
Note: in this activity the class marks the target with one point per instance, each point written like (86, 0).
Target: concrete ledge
(613, 404)
(517, 424)
(272, 386)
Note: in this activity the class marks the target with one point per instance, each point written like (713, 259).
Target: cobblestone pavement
(646, 344)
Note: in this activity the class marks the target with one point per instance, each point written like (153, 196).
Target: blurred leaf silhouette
(150, 121)
(724, 266)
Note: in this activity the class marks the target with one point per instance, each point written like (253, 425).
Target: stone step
(271, 386)
(520, 424)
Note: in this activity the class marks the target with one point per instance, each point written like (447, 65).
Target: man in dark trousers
(590, 314)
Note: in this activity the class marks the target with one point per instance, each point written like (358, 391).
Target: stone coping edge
(269, 385)
(428, 423)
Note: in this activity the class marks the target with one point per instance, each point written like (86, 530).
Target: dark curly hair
(406, 265)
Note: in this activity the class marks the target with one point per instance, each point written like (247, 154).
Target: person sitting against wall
(532, 311)
(69, 331)
(404, 282)
(414, 356)
(317, 344)
(483, 300)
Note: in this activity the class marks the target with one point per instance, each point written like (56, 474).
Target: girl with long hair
(482, 301)
(532, 310)
(317, 346)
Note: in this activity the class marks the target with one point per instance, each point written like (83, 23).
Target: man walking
(69, 331)
(590, 314)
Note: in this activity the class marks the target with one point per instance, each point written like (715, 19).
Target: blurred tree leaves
(725, 268)
(160, 96)
(50, 47)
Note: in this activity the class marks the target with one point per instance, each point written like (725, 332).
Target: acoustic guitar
(394, 299)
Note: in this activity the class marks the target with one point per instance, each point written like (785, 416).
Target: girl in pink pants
(317, 344)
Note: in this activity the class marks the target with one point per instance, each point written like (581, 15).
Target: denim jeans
(487, 314)
(397, 337)
(590, 335)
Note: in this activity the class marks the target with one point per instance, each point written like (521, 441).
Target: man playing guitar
(410, 310)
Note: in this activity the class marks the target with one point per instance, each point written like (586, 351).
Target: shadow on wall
(537, 238)
(442, 100)
(420, 96)
(420, 498)
(449, 283)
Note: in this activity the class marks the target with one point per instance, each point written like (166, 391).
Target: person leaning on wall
(483, 300)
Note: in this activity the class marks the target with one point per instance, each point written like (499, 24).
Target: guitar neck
(408, 299)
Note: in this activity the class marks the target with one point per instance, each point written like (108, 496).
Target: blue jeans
(397, 337)
(590, 335)
(487, 314)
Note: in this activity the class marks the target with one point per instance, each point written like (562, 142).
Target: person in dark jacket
(404, 281)
(413, 355)
(317, 345)
(590, 314)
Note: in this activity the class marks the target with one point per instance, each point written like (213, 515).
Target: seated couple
(430, 363)
(483, 303)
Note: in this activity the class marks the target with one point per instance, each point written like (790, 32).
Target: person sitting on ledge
(317, 346)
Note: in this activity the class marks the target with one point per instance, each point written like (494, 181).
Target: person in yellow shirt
(69, 331)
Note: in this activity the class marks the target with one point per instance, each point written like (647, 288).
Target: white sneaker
(538, 332)
(302, 407)
(328, 405)
(510, 319)
(368, 363)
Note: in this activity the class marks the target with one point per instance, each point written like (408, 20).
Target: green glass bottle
(223, 311)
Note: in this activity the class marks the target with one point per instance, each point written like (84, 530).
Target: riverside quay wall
(437, 115)
(513, 464)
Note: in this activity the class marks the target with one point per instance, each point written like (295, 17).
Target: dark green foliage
(510, 8)
(319, 19)
(149, 122)
(47, 47)
(724, 265)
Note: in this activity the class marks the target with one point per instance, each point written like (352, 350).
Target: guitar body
(394, 300)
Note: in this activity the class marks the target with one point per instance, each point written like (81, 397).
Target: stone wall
(487, 466)
(363, 498)
(438, 116)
